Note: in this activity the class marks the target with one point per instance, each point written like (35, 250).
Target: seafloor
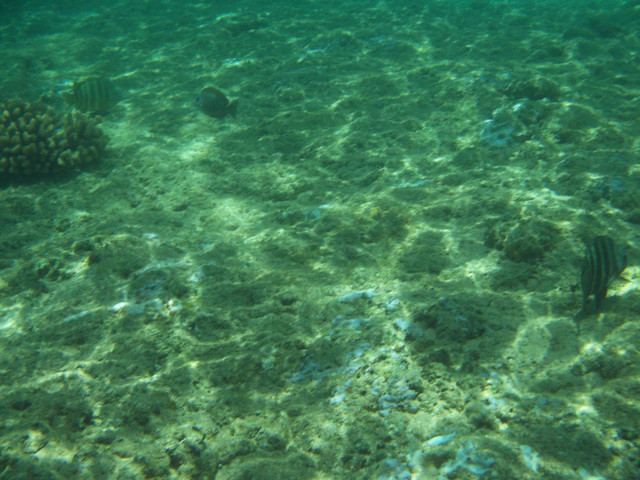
(371, 273)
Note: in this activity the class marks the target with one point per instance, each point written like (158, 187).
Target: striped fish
(602, 264)
(94, 94)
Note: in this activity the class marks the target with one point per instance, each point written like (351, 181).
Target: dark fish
(213, 102)
(602, 264)
(95, 94)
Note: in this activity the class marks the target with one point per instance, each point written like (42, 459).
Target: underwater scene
(276, 240)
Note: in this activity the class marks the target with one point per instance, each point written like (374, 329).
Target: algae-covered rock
(35, 140)
(529, 240)
(458, 320)
(534, 88)
(426, 254)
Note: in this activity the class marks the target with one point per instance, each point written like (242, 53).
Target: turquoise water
(372, 271)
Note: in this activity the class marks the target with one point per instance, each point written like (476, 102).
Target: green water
(371, 272)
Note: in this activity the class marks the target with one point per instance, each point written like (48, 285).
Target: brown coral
(35, 140)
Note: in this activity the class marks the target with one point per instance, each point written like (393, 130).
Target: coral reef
(35, 140)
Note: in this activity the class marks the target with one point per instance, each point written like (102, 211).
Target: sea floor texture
(371, 272)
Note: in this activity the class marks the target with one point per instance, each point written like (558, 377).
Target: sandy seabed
(371, 272)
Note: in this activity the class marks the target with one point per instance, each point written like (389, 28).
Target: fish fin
(215, 92)
(232, 108)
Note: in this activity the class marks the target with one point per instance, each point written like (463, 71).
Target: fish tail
(233, 108)
(600, 296)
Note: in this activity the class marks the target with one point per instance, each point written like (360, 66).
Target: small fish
(94, 94)
(602, 264)
(214, 103)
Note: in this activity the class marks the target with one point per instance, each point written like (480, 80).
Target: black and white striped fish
(94, 94)
(602, 264)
